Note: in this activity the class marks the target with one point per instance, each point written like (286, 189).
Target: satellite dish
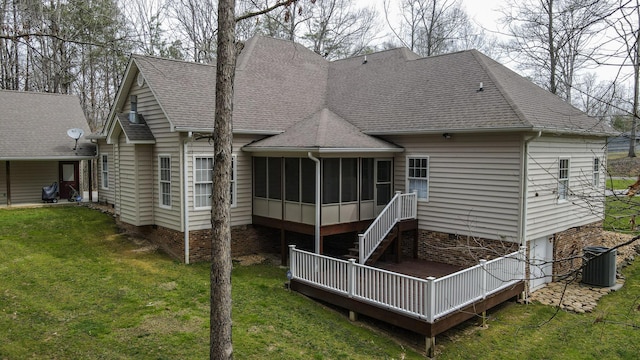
(75, 134)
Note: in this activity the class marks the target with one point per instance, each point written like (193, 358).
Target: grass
(72, 287)
(619, 184)
(536, 331)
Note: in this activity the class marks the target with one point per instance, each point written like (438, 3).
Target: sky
(486, 14)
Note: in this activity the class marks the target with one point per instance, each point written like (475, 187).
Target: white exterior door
(540, 262)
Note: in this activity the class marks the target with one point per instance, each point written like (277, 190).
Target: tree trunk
(636, 93)
(221, 346)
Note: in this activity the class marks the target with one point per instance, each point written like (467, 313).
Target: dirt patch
(625, 253)
(253, 259)
(624, 167)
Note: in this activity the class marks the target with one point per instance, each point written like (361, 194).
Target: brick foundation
(568, 248)
(464, 251)
(245, 240)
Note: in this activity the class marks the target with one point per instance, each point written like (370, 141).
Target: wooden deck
(417, 268)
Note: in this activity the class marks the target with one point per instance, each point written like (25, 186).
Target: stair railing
(401, 207)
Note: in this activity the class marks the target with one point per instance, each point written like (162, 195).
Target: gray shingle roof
(280, 83)
(136, 133)
(184, 90)
(34, 126)
(324, 131)
(395, 94)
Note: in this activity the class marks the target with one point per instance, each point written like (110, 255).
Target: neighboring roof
(279, 83)
(33, 126)
(325, 132)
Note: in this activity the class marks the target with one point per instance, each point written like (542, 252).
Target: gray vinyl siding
(106, 195)
(144, 172)
(27, 180)
(546, 215)
(474, 183)
(126, 194)
(168, 144)
(241, 211)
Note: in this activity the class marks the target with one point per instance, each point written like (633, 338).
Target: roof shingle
(34, 126)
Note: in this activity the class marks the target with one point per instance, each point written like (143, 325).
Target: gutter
(584, 132)
(317, 230)
(524, 185)
(185, 200)
(320, 150)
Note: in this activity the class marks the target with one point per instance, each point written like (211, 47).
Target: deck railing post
(483, 264)
(523, 262)
(414, 204)
(351, 280)
(361, 248)
(398, 204)
(292, 262)
(430, 298)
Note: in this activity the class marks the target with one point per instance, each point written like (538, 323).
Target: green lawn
(536, 332)
(71, 287)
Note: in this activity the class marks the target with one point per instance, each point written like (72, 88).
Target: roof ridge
(512, 104)
(139, 56)
(21, 92)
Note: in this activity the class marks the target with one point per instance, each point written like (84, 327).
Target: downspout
(317, 232)
(524, 185)
(185, 197)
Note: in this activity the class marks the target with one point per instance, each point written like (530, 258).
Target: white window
(234, 186)
(563, 179)
(418, 176)
(203, 181)
(165, 180)
(596, 172)
(104, 163)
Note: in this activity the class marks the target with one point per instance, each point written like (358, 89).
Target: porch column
(90, 161)
(8, 175)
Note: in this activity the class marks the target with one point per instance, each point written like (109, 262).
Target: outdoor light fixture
(446, 136)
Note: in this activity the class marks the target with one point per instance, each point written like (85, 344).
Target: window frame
(595, 182)
(233, 181)
(195, 182)
(162, 182)
(418, 178)
(104, 182)
(563, 182)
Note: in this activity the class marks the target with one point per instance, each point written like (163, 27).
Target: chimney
(133, 113)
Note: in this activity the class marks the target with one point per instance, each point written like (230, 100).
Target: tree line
(82, 47)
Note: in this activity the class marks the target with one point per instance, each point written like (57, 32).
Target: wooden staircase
(393, 237)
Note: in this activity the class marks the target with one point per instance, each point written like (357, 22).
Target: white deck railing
(428, 299)
(401, 207)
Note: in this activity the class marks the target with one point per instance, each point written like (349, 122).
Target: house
(621, 142)
(321, 147)
(36, 149)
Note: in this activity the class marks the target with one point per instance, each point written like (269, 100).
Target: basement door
(540, 262)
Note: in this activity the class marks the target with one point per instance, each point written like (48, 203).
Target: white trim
(161, 194)
(428, 178)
